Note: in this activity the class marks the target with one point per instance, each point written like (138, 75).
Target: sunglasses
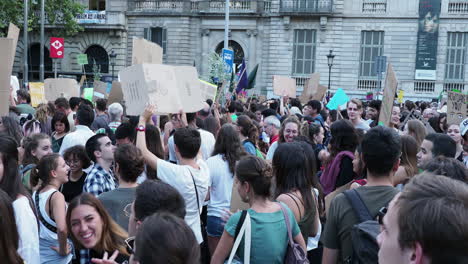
(129, 242)
(380, 215)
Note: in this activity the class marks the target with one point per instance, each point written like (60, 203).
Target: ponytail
(41, 173)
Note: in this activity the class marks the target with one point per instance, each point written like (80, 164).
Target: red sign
(57, 48)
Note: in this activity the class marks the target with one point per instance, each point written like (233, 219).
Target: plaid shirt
(99, 181)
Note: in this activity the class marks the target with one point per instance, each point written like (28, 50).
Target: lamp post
(112, 57)
(330, 57)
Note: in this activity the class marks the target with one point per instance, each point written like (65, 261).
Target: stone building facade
(287, 37)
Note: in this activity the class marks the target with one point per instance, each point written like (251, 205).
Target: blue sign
(228, 58)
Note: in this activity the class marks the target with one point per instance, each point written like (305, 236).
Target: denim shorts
(214, 226)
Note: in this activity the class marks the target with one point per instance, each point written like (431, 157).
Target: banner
(339, 98)
(391, 84)
(62, 87)
(36, 90)
(456, 108)
(145, 51)
(428, 33)
(170, 88)
(284, 86)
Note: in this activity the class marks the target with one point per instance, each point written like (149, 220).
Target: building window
(304, 52)
(372, 43)
(374, 6)
(157, 35)
(99, 5)
(455, 62)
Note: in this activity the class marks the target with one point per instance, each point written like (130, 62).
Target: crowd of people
(273, 181)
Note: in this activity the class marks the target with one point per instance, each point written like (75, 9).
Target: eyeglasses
(129, 243)
(381, 214)
(128, 210)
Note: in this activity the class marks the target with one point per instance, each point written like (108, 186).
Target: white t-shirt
(221, 185)
(271, 150)
(79, 137)
(26, 224)
(207, 145)
(180, 177)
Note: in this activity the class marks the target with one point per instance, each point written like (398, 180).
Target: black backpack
(364, 234)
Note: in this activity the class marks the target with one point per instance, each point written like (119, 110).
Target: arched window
(236, 47)
(98, 56)
(34, 60)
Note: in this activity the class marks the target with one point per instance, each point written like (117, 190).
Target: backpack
(364, 234)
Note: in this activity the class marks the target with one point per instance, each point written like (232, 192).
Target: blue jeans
(214, 226)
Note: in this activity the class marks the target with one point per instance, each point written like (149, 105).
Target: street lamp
(112, 57)
(330, 57)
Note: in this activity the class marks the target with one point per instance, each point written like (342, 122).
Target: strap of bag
(288, 224)
(244, 231)
(41, 218)
(240, 223)
(196, 193)
(360, 209)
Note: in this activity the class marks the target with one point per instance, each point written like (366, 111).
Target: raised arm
(149, 157)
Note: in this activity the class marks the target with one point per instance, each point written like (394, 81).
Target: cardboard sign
(62, 87)
(320, 94)
(145, 51)
(88, 93)
(7, 49)
(36, 90)
(169, 88)
(391, 84)
(456, 108)
(340, 98)
(311, 88)
(116, 94)
(82, 59)
(13, 33)
(100, 90)
(284, 86)
(401, 95)
(208, 90)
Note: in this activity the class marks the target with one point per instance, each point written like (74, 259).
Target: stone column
(205, 51)
(251, 60)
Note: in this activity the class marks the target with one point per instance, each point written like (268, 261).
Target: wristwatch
(141, 128)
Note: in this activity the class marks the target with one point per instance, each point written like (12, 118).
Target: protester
(290, 128)
(101, 120)
(228, 150)
(316, 135)
(62, 105)
(52, 171)
(191, 177)
(416, 129)
(426, 223)
(380, 153)
(93, 231)
(248, 134)
(428, 113)
(408, 161)
(100, 178)
(436, 144)
(115, 116)
(454, 132)
(11, 127)
(354, 110)
(36, 146)
(24, 102)
(60, 128)
(312, 110)
(395, 118)
(449, 167)
(212, 125)
(125, 134)
(373, 112)
(339, 165)
(129, 164)
(77, 160)
(271, 126)
(10, 237)
(26, 221)
(269, 234)
(84, 119)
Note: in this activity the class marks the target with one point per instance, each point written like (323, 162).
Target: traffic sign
(57, 48)
(228, 58)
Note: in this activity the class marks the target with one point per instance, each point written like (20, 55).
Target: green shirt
(26, 109)
(269, 235)
(341, 217)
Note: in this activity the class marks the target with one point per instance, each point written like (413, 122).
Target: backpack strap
(360, 209)
(240, 223)
(41, 218)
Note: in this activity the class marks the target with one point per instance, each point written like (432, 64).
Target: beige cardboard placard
(322, 90)
(36, 90)
(100, 90)
(208, 90)
(310, 88)
(6, 50)
(391, 84)
(61, 87)
(456, 108)
(145, 51)
(284, 86)
(116, 94)
(13, 33)
(170, 88)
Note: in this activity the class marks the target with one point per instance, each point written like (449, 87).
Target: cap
(464, 127)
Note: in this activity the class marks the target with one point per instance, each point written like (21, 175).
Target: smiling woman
(93, 231)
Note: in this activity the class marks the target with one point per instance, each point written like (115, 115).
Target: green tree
(59, 13)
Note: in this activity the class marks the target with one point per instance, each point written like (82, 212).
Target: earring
(247, 198)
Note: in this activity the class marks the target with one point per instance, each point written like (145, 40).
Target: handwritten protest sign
(36, 90)
(100, 90)
(340, 98)
(284, 86)
(116, 94)
(391, 84)
(6, 50)
(456, 107)
(145, 51)
(170, 88)
(62, 87)
(208, 90)
(311, 88)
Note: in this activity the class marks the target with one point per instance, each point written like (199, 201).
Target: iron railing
(306, 6)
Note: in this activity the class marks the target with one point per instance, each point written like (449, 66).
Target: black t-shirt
(72, 189)
(346, 172)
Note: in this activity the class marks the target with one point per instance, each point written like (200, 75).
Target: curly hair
(130, 162)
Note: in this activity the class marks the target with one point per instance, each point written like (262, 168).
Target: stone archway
(236, 47)
(97, 55)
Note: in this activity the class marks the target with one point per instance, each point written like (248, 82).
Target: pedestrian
(35, 146)
(60, 128)
(78, 162)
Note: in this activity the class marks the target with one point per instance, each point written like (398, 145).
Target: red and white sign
(57, 48)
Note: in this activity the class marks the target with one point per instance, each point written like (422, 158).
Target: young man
(426, 223)
(373, 112)
(24, 102)
(84, 119)
(100, 178)
(354, 110)
(125, 134)
(436, 144)
(191, 177)
(312, 110)
(129, 164)
(102, 119)
(381, 149)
